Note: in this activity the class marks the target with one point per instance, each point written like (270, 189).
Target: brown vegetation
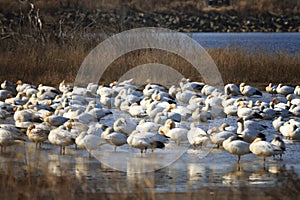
(51, 63)
(252, 6)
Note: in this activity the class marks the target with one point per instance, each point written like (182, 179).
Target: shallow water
(187, 170)
(191, 172)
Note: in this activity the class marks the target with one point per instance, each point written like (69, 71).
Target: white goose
(55, 120)
(114, 138)
(8, 138)
(284, 89)
(145, 126)
(249, 91)
(61, 138)
(277, 141)
(249, 129)
(186, 84)
(124, 126)
(38, 134)
(277, 123)
(197, 136)
(297, 90)
(89, 142)
(217, 136)
(232, 90)
(236, 146)
(247, 112)
(271, 89)
(177, 134)
(144, 141)
(261, 147)
(136, 110)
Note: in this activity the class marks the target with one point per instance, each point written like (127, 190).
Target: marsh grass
(51, 62)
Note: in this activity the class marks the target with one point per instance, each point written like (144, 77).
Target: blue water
(270, 42)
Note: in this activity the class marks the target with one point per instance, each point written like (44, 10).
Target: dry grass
(53, 62)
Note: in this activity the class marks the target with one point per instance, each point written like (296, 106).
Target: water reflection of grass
(50, 63)
(34, 174)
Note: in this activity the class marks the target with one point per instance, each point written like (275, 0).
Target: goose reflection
(248, 175)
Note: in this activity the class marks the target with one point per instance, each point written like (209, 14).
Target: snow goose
(232, 90)
(286, 129)
(236, 146)
(184, 96)
(147, 126)
(290, 130)
(277, 123)
(64, 87)
(26, 115)
(284, 89)
(10, 86)
(146, 140)
(231, 110)
(186, 84)
(136, 110)
(114, 138)
(19, 99)
(124, 126)
(38, 134)
(21, 87)
(86, 118)
(61, 138)
(295, 110)
(177, 134)
(201, 115)
(249, 129)
(247, 112)
(297, 90)
(268, 113)
(4, 94)
(197, 136)
(92, 87)
(271, 89)
(217, 137)
(8, 138)
(55, 120)
(262, 148)
(249, 91)
(89, 142)
(210, 90)
(277, 141)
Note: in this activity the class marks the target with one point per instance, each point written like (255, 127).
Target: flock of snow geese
(157, 116)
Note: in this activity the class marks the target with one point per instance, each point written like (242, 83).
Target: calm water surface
(271, 42)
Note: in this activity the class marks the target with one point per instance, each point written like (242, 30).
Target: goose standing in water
(236, 146)
(38, 134)
(114, 138)
(218, 136)
(9, 137)
(177, 134)
(61, 138)
(277, 141)
(262, 148)
(144, 141)
(197, 136)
